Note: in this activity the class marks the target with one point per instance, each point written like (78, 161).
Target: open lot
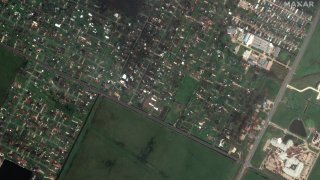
(121, 144)
(285, 56)
(187, 87)
(268, 86)
(9, 67)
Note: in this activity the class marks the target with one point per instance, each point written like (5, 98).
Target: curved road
(280, 95)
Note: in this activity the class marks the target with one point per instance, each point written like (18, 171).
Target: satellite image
(159, 89)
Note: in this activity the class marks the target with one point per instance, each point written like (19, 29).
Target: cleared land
(121, 144)
(10, 65)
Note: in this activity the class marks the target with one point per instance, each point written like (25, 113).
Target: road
(143, 113)
(247, 161)
(103, 93)
(287, 132)
(280, 95)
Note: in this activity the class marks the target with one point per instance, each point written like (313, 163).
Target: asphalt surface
(280, 95)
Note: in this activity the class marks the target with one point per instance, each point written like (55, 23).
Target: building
(244, 4)
(278, 144)
(257, 60)
(232, 31)
(292, 166)
(260, 44)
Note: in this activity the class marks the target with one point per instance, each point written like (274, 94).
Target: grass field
(253, 175)
(315, 173)
(9, 67)
(308, 72)
(172, 116)
(185, 91)
(284, 56)
(278, 72)
(268, 87)
(310, 63)
(303, 105)
(290, 108)
(121, 144)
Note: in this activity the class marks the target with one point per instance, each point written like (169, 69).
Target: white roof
(293, 172)
(278, 143)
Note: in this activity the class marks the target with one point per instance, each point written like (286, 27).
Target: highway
(280, 95)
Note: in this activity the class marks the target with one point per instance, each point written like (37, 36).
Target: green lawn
(185, 91)
(121, 145)
(285, 56)
(9, 66)
(242, 50)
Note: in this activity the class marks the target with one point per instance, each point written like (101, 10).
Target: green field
(285, 56)
(253, 175)
(308, 72)
(121, 144)
(315, 173)
(310, 64)
(172, 116)
(185, 91)
(303, 105)
(268, 87)
(298, 106)
(9, 67)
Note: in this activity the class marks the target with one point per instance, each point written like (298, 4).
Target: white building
(292, 166)
(261, 44)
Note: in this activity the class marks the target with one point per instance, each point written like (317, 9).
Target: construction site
(290, 160)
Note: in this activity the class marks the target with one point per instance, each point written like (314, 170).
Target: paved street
(102, 93)
(280, 95)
